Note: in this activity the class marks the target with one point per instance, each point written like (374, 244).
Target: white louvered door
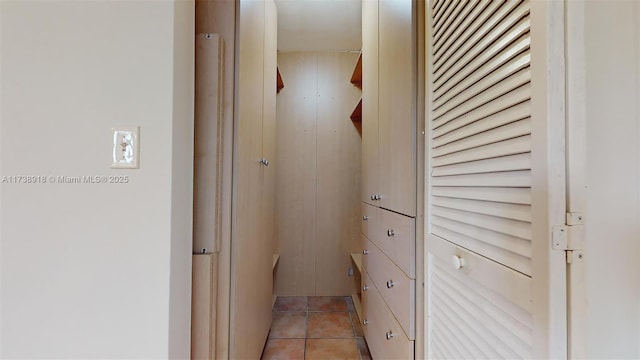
(495, 152)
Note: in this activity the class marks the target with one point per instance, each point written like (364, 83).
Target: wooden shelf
(276, 258)
(356, 115)
(357, 260)
(279, 82)
(356, 78)
(357, 303)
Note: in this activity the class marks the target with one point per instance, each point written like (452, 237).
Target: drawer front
(382, 331)
(370, 219)
(474, 300)
(397, 290)
(395, 235)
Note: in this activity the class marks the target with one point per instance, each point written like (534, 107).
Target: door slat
(499, 164)
(508, 195)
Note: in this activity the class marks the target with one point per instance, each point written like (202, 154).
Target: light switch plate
(126, 147)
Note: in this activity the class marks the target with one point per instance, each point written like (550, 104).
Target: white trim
(548, 178)
(576, 173)
(428, 117)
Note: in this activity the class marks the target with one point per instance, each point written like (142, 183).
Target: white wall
(613, 178)
(95, 270)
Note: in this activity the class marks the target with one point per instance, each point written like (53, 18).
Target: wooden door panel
(251, 260)
(396, 126)
(370, 185)
(269, 124)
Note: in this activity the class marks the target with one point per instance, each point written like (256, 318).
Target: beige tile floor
(315, 328)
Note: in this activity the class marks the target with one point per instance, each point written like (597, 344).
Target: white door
(495, 285)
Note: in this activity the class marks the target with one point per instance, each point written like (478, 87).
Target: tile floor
(315, 328)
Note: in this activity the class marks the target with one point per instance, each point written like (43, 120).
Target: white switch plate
(126, 147)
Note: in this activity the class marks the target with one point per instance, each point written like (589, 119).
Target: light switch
(126, 147)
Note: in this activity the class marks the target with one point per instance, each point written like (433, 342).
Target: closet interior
(312, 144)
(433, 170)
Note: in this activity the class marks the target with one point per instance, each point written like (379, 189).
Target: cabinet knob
(365, 252)
(391, 233)
(389, 335)
(365, 218)
(365, 288)
(390, 284)
(377, 197)
(365, 322)
(264, 162)
(458, 262)
(373, 197)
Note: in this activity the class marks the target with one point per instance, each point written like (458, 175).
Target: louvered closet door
(496, 185)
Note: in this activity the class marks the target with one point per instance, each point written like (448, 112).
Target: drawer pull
(365, 322)
(365, 252)
(391, 233)
(458, 262)
(365, 288)
(365, 218)
(389, 335)
(376, 197)
(390, 284)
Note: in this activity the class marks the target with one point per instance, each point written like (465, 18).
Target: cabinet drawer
(370, 219)
(395, 235)
(397, 290)
(474, 300)
(384, 334)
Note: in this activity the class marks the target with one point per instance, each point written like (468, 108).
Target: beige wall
(318, 174)
(95, 270)
(612, 41)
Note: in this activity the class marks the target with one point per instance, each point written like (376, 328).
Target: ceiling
(319, 25)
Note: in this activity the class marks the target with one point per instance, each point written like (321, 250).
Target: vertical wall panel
(296, 175)
(318, 181)
(338, 183)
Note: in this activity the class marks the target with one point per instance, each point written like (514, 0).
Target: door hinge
(575, 256)
(570, 237)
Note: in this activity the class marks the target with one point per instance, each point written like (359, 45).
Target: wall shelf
(357, 260)
(356, 115)
(356, 78)
(276, 258)
(279, 82)
(356, 297)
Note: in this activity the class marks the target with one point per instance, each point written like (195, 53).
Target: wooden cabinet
(252, 244)
(389, 161)
(389, 110)
(384, 334)
(395, 287)
(369, 100)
